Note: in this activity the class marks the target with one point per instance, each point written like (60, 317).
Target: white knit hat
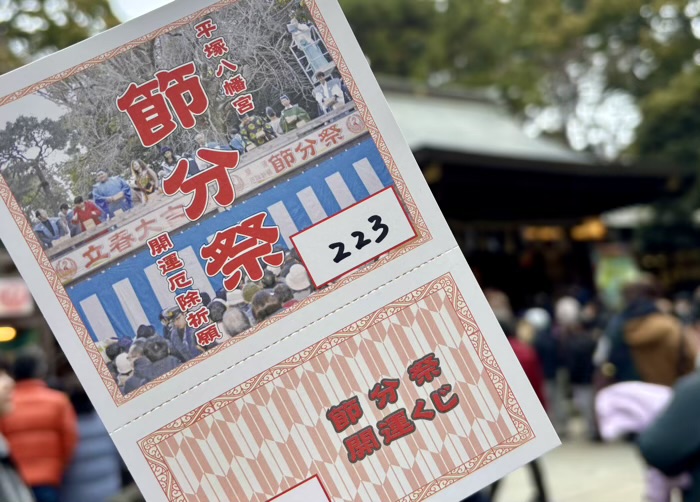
(124, 364)
(538, 318)
(297, 278)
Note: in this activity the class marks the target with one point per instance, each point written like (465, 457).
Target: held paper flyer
(216, 194)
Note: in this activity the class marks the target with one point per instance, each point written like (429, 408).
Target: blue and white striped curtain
(114, 302)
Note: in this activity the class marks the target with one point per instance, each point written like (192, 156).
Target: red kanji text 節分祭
(425, 369)
(185, 93)
(153, 105)
(283, 160)
(219, 174)
(240, 248)
(345, 414)
(307, 150)
(385, 392)
(331, 136)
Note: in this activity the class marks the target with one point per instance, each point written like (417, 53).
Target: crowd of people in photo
(627, 374)
(154, 351)
(114, 195)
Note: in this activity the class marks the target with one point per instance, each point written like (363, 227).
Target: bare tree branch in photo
(27, 146)
(259, 43)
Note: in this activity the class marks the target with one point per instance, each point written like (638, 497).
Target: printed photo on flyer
(164, 183)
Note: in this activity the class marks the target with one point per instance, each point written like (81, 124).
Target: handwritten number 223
(362, 241)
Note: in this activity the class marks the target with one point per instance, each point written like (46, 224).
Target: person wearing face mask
(12, 488)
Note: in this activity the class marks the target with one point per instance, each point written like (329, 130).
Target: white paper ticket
(218, 216)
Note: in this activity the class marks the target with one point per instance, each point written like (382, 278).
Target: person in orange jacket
(42, 428)
(12, 487)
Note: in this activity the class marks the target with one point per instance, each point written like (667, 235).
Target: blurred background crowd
(560, 140)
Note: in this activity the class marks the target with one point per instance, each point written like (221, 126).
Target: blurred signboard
(615, 267)
(15, 298)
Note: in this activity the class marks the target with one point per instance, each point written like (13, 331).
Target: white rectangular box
(353, 237)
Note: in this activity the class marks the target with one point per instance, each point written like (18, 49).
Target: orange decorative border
(37, 251)
(151, 451)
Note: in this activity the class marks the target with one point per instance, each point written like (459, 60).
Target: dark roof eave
(426, 155)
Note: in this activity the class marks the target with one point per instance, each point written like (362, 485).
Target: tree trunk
(44, 183)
